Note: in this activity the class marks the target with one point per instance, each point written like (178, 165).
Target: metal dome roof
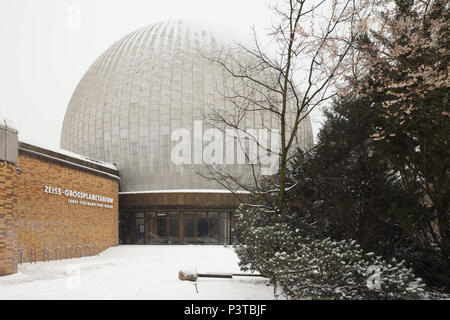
(148, 84)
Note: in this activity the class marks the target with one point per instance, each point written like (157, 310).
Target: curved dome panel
(148, 84)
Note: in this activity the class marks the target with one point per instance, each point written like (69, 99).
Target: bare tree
(276, 86)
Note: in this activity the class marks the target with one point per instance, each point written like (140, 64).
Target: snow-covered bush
(326, 269)
(305, 268)
(262, 241)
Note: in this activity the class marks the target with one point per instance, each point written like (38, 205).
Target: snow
(10, 124)
(190, 270)
(7, 122)
(136, 272)
(71, 154)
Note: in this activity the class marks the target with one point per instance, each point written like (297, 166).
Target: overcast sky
(45, 50)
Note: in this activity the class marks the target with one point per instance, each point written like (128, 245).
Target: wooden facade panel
(188, 200)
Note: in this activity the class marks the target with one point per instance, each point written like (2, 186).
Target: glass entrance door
(173, 221)
(140, 228)
(162, 228)
(175, 228)
(207, 228)
(190, 228)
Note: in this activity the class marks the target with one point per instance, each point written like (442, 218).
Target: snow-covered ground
(136, 272)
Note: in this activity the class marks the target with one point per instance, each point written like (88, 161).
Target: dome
(137, 93)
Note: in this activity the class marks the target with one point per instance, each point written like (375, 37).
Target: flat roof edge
(68, 160)
(69, 156)
(185, 191)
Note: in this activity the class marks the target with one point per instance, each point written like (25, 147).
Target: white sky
(42, 58)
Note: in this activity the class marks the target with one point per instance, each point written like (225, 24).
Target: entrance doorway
(162, 228)
(166, 227)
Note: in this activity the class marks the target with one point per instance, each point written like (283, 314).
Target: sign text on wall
(82, 198)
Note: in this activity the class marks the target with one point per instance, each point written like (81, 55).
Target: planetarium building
(137, 145)
(128, 110)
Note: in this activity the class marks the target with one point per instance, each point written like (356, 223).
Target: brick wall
(31, 219)
(8, 230)
(49, 221)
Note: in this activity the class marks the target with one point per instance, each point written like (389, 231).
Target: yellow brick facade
(8, 213)
(43, 222)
